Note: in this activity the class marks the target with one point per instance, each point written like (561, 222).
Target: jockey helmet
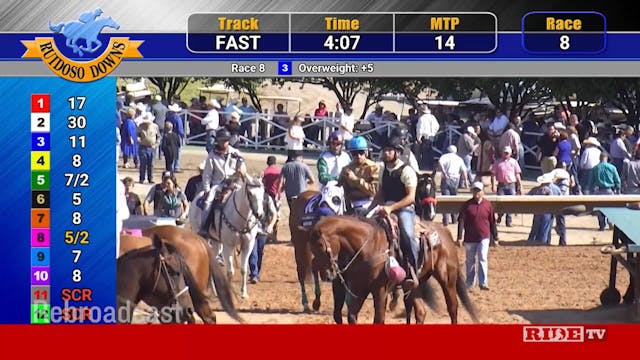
(358, 143)
(336, 136)
(400, 131)
(395, 142)
(223, 135)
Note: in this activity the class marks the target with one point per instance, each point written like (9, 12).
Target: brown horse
(355, 251)
(425, 203)
(158, 276)
(300, 240)
(201, 261)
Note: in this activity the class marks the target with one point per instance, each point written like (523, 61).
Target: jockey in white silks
(122, 211)
(331, 162)
(223, 163)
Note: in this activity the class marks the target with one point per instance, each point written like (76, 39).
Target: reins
(252, 214)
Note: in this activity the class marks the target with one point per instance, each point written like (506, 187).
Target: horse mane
(143, 251)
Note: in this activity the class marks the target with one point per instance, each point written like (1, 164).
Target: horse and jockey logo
(81, 36)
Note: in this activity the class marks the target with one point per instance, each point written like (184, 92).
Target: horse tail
(461, 289)
(428, 295)
(222, 286)
(56, 28)
(196, 294)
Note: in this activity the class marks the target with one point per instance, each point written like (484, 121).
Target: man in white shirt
(211, 123)
(347, 123)
(499, 123)
(453, 170)
(426, 130)
(588, 160)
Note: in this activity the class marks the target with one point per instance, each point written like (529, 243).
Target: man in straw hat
(561, 185)
(589, 158)
(454, 173)
(148, 140)
(426, 130)
(541, 227)
(211, 123)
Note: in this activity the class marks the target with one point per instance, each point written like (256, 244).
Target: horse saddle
(427, 238)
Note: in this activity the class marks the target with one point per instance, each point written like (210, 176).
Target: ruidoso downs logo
(83, 38)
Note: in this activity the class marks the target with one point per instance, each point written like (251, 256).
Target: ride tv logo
(82, 39)
(563, 334)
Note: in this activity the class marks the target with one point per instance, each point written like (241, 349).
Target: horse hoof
(245, 296)
(316, 304)
(307, 310)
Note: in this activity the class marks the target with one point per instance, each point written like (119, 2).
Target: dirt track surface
(528, 284)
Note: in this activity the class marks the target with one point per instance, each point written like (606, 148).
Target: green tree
(171, 86)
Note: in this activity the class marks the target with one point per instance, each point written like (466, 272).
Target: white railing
(259, 134)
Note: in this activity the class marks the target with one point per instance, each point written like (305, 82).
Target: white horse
(236, 223)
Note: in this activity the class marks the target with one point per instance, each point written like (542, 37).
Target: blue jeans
(176, 161)
(467, 164)
(540, 228)
(481, 251)
(408, 245)
(561, 229)
(602, 220)
(584, 176)
(255, 258)
(146, 154)
(618, 164)
(449, 187)
(210, 140)
(506, 189)
(521, 157)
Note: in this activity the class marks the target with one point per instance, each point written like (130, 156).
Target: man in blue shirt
(604, 180)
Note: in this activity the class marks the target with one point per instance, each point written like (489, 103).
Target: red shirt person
(477, 222)
(271, 177)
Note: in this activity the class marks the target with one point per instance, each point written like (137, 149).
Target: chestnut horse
(355, 251)
(425, 203)
(202, 262)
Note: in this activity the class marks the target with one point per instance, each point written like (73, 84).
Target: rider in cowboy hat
(223, 163)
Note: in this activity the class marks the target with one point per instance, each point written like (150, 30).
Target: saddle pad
(133, 232)
(312, 204)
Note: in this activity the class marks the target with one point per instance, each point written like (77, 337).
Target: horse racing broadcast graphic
(249, 175)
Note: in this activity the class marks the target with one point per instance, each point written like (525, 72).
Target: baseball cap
(166, 174)
(478, 185)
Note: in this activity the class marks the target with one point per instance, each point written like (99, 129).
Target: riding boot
(204, 229)
(411, 282)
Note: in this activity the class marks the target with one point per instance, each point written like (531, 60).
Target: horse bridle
(162, 270)
(334, 263)
(254, 212)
